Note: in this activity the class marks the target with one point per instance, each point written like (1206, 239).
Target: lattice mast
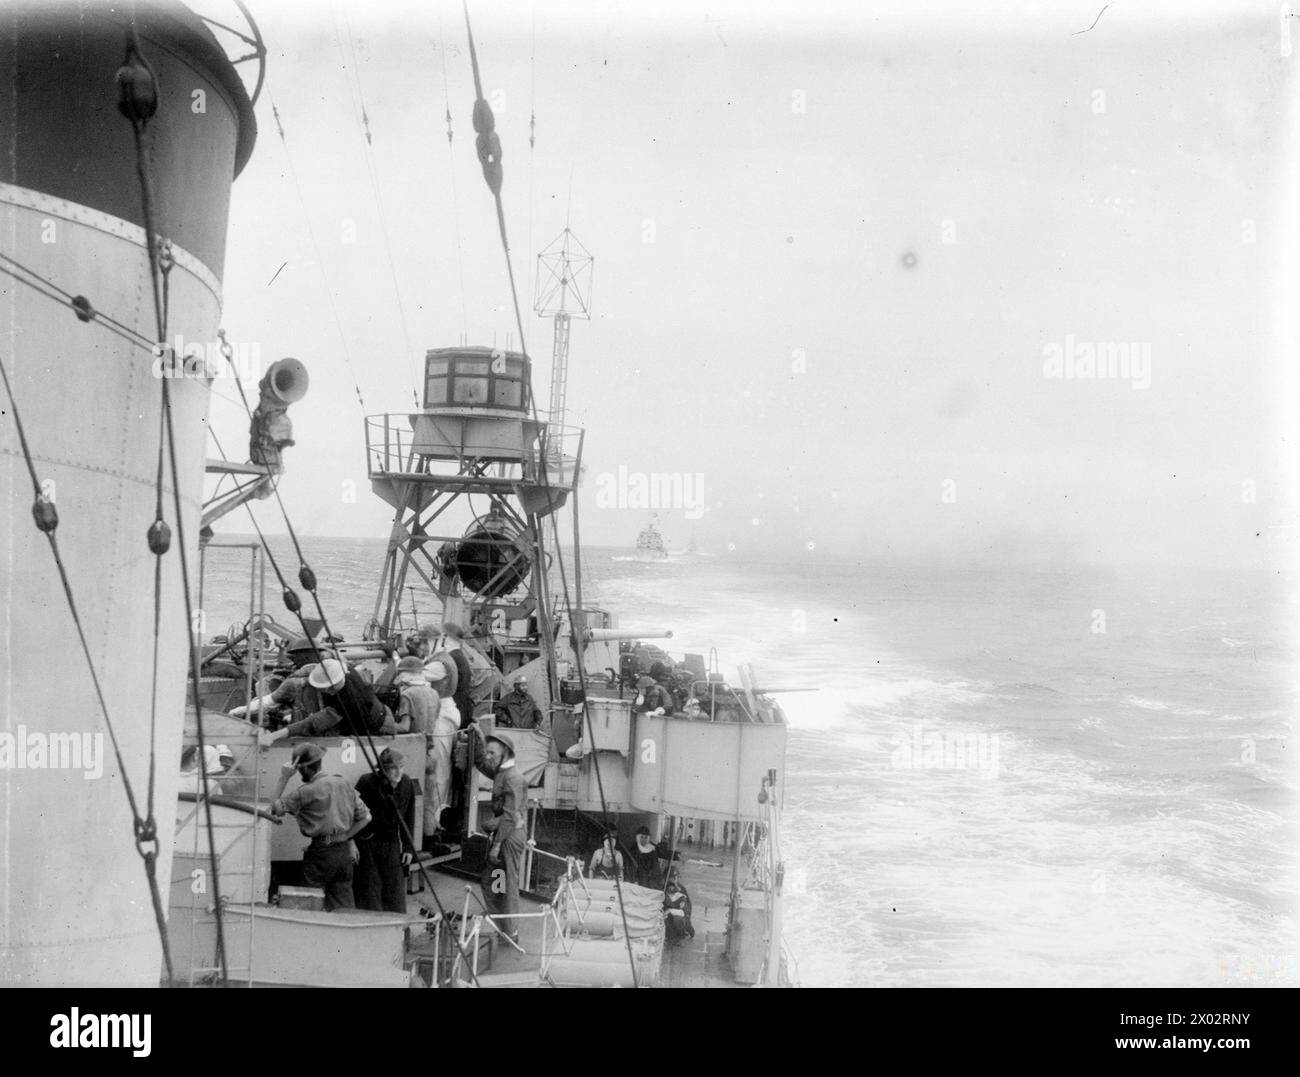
(564, 276)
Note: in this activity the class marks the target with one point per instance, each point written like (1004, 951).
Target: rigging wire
(488, 145)
(379, 202)
(81, 306)
(138, 101)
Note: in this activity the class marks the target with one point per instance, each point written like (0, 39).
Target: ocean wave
(1146, 704)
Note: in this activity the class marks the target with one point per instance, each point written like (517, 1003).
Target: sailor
(677, 911)
(330, 812)
(508, 827)
(423, 710)
(652, 698)
(517, 710)
(438, 769)
(418, 703)
(213, 763)
(386, 846)
(607, 861)
(695, 710)
(293, 691)
(485, 680)
(662, 672)
(446, 651)
(645, 860)
(349, 707)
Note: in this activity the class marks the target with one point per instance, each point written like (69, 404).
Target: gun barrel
(601, 635)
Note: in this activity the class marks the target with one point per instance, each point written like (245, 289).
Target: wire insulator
(81, 306)
(137, 89)
(291, 600)
(307, 578)
(160, 537)
(45, 515)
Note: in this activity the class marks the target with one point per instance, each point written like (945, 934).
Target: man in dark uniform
(646, 855)
(508, 826)
(677, 911)
(385, 846)
(517, 710)
(331, 814)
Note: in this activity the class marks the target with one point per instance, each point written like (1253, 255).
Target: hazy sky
(835, 247)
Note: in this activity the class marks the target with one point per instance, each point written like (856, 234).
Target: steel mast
(564, 275)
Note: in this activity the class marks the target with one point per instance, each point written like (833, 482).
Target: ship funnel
(287, 380)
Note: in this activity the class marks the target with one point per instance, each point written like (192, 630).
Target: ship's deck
(699, 962)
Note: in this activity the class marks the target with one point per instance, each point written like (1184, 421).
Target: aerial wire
(320, 261)
(379, 202)
(451, 173)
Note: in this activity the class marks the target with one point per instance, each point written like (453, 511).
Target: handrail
(391, 440)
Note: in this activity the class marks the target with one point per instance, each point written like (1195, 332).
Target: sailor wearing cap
(293, 690)
(217, 760)
(328, 811)
(517, 710)
(386, 845)
(435, 716)
(652, 697)
(418, 702)
(446, 654)
(348, 706)
(508, 826)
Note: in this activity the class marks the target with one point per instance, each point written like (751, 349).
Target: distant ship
(650, 544)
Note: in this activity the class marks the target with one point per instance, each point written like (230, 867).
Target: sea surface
(1003, 777)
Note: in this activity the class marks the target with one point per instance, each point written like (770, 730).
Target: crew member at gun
(349, 707)
(652, 697)
(294, 690)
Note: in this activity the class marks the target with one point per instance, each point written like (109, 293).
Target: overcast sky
(840, 258)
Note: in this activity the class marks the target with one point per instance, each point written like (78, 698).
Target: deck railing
(392, 448)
